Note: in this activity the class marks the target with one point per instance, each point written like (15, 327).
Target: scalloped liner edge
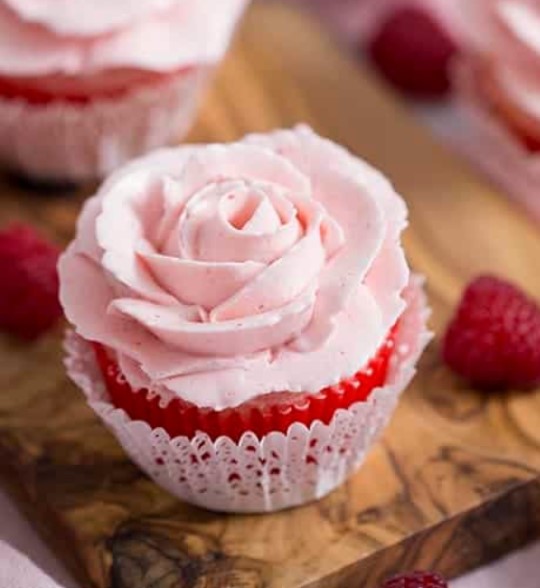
(278, 471)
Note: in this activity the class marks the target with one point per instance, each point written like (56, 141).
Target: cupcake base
(280, 470)
(69, 142)
(493, 147)
(265, 414)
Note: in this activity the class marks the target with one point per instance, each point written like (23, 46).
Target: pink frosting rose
(73, 37)
(504, 41)
(219, 273)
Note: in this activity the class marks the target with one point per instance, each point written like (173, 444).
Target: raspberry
(29, 282)
(494, 338)
(413, 52)
(416, 580)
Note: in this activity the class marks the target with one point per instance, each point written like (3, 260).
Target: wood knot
(142, 558)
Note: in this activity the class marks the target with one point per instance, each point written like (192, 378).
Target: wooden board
(455, 481)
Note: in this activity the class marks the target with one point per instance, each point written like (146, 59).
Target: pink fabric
(38, 567)
(518, 570)
(17, 571)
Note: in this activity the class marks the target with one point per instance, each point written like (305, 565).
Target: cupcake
(86, 85)
(244, 316)
(498, 93)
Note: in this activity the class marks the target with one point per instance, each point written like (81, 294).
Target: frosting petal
(225, 338)
(119, 232)
(283, 281)
(199, 293)
(81, 17)
(521, 21)
(206, 233)
(154, 35)
(200, 282)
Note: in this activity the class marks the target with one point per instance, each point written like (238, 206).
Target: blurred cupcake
(358, 21)
(245, 319)
(498, 91)
(87, 85)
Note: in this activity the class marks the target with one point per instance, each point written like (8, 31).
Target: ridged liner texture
(61, 141)
(260, 475)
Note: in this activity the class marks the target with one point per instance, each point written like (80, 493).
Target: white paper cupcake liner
(59, 141)
(492, 147)
(252, 475)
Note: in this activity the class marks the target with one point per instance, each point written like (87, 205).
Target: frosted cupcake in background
(87, 85)
(244, 316)
(497, 83)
